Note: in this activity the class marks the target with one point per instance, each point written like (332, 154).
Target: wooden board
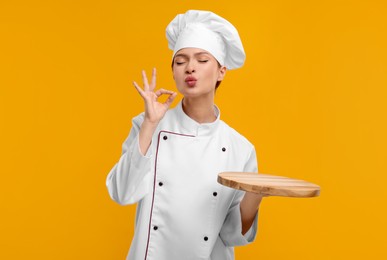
(268, 185)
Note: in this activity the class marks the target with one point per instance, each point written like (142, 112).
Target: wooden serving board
(268, 185)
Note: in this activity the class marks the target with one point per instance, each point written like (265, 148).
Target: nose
(190, 68)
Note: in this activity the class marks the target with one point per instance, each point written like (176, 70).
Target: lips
(191, 81)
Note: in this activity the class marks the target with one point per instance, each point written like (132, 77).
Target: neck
(200, 110)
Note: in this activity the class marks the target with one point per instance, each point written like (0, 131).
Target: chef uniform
(183, 213)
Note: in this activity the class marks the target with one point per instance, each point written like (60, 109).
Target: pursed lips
(191, 81)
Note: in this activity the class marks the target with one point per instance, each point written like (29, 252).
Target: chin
(190, 94)
(186, 90)
(196, 94)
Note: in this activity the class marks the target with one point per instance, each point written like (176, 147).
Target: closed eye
(203, 61)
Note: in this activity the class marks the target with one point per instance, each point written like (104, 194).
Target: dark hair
(217, 83)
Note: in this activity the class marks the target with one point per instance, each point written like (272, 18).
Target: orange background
(311, 97)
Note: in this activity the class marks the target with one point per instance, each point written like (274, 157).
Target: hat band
(198, 36)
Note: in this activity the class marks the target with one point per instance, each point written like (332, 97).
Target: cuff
(137, 154)
(231, 233)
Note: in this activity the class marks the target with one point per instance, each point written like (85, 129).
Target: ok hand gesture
(154, 110)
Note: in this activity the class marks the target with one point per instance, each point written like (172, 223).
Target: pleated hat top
(210, 32)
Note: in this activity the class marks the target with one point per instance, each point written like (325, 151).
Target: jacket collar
(193, 127)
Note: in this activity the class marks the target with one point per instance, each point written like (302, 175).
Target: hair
(217, 83)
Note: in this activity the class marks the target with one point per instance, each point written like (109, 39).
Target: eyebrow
(196, 54)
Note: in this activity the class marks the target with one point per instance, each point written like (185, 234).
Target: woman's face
(196, 72)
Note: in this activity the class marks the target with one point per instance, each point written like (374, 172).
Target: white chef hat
(207, 31)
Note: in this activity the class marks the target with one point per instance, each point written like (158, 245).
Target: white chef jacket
(183, 213)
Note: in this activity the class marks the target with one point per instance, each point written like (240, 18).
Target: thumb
(170, 99)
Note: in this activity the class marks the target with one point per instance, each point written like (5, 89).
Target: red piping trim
(154, 184)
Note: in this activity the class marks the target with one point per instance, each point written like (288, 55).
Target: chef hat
(207, 31)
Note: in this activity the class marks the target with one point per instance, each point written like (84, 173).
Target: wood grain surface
(269, 185)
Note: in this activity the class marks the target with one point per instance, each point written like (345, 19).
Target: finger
(153, 81)
(170, 99)
(145, 80)
(140, 91)
(163, 91)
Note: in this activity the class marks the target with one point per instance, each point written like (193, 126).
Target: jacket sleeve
(128, 181)
(231, 232)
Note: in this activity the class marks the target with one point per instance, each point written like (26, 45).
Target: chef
(172, 156)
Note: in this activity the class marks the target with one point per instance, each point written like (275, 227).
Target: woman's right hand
(154, 110)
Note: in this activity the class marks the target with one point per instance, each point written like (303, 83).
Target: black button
(165, 137)
(215, 194)
(160, 183)
(205, 238)
(223, 149)
(155, 227)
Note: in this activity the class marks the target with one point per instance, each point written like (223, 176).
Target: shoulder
(235, 137)
(238, 145)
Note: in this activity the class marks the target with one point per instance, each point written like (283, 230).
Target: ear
(222, 73)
